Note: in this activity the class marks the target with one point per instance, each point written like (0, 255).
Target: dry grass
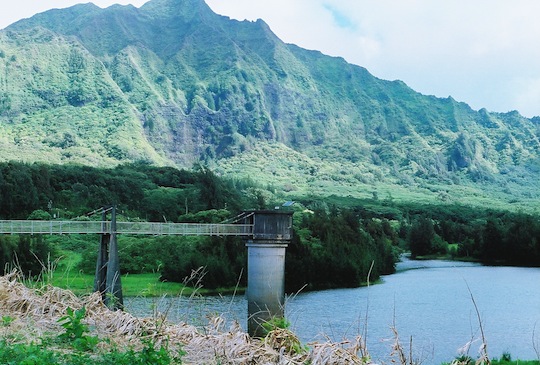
(35, 314)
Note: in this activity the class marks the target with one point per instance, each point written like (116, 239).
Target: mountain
(173, 83)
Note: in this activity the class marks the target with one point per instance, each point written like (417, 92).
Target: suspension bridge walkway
(134, 228)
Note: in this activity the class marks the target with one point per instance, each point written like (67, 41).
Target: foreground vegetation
(41, 354)
(48, 325)
(505, 359)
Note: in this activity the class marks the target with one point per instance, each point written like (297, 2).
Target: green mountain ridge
(172, 83)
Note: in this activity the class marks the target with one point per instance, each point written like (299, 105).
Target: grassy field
(66, 276)
(133, 285)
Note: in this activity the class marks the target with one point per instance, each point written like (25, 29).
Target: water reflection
(193, 310)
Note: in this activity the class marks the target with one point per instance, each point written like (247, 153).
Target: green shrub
(24, 354)
(39, 354)
(40, 215)
(76, 330)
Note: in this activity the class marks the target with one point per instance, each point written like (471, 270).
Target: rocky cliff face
(174, 83)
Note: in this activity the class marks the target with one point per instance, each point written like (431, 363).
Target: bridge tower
(107, 280)
(272, 232)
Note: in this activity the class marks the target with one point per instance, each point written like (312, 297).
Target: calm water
(428, 300)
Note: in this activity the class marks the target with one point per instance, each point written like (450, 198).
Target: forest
(337, 242)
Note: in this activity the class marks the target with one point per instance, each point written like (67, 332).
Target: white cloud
(525, 95)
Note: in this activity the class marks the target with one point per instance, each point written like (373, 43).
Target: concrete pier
(266, 284)
(272, 231)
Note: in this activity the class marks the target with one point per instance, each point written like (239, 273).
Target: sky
(482, 52)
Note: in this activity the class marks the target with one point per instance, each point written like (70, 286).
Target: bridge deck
(139, 228)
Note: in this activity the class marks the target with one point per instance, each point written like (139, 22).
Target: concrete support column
(266, 284)
(271, 234)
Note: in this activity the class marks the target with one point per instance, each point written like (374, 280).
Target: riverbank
(53, 322)
(35, 321)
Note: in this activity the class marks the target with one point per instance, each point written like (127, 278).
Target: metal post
(107, 280)
(100, 281)
(113, 297)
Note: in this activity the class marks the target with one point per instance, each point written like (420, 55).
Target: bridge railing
(184, 229)
(142, 228)
(50, 227)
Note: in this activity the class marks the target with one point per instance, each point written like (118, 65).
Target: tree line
(340, 243)
(491, 237)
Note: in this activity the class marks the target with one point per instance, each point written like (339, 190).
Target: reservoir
(430, 303)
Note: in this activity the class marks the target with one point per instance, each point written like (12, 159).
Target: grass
(66, 276)
(133, 285)
(41, 354)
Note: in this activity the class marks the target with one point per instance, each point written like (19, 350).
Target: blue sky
(340, 19)
(482, 52)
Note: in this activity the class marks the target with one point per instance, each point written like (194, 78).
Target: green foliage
(276, 322)
(514, 362)
(223, 260)
(342, 235)
(493, 237)
(465, 360)
(421, 236)
(40, 215)
(338, 248)
(67, 191)
(7, 320)
(506, 357)
(75, 330)
(149, 355)
(282, 115)
(26, 354)
(206, 216)
(40, 354)
(26, 253)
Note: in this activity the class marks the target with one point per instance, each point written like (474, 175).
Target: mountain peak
(158, 24)
(176, 8)
(56, 18)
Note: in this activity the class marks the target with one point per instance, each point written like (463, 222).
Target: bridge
(107, 279)
(267, 234)
(135, 228)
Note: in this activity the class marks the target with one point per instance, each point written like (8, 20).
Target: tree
(493, 248)
(421, 236)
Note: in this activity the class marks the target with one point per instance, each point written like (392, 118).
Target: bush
(40, 215)
(39, 354)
